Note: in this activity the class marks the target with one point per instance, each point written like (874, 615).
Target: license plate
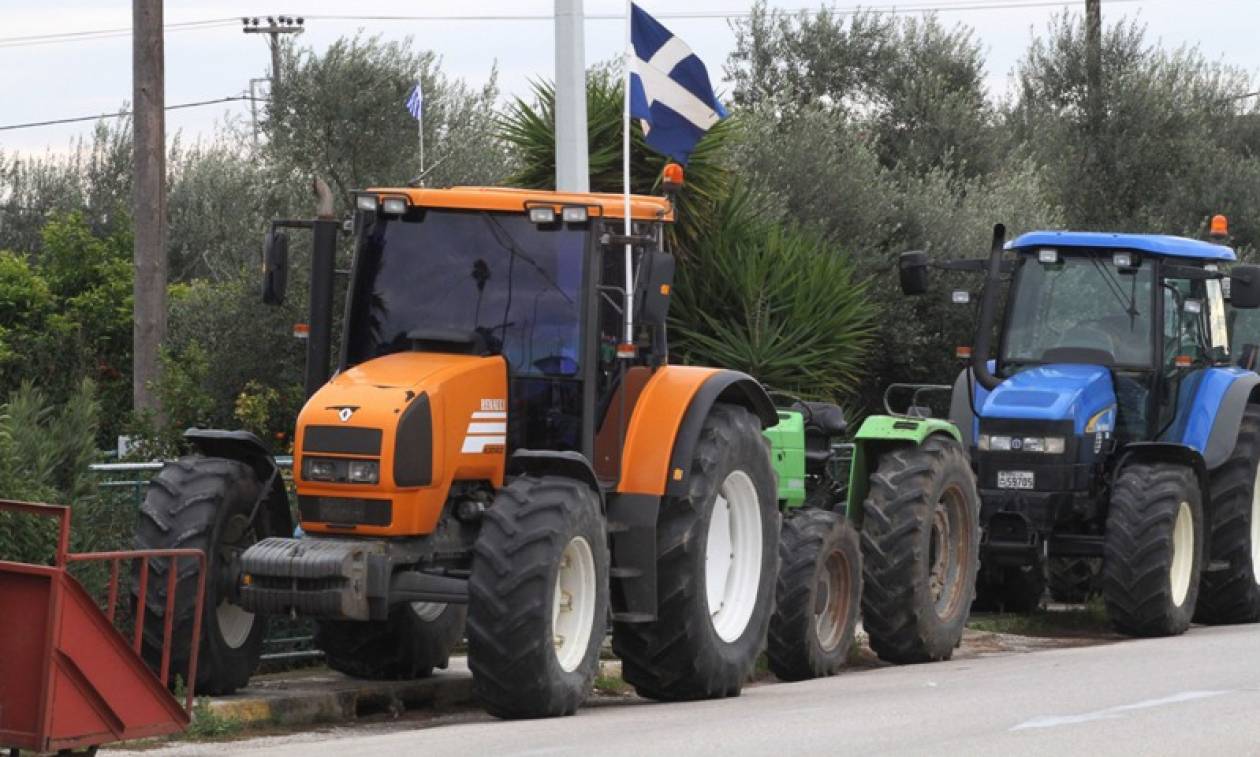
(1015, 479)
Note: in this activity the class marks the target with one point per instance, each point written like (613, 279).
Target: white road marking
(1111, 713)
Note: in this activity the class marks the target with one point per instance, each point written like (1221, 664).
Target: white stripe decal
(489, 416)
(487, 428)
(475, 445)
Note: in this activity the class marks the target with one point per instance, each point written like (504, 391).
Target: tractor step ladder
(68, 678)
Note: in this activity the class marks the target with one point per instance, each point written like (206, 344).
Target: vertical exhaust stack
(323, 268)
(988, 311)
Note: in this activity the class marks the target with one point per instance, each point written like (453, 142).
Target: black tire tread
(897, 611)
(1230, 594)
(1137, 549)
(509, 619)
(792, 650)
(669, 659)
(179, 512)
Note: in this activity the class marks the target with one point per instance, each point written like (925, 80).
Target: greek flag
(415, 103)
(670, 92)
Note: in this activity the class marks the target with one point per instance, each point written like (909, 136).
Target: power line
(125, 113)
(922, 6)
(89, 35)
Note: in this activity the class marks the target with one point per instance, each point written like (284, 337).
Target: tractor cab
(1111, 350)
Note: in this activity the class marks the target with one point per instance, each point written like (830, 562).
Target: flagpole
(420, 126)
(625, 169)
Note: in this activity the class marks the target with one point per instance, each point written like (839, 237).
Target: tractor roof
(1154, 244)
(642, 207)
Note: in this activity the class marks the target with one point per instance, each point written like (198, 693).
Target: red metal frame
(43, 737)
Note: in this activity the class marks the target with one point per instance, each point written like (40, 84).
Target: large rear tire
(920, 551)
(1074, 580)
(1230, 588)
(416, 638)
(1153, 549)
(202, 503)
(818, 597)
(538, 598)
(717, 558)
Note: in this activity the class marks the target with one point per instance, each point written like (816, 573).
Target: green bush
(45, 451)
(772, 299)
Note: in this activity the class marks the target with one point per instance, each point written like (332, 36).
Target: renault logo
(344, 412)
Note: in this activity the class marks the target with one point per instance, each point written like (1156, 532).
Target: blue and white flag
(415, 103)
(670, 91)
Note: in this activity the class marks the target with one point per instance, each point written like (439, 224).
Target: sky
(84, 77)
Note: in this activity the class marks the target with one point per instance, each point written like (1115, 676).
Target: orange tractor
(502, 451)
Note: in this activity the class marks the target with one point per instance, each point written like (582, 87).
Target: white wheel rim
(573, 604)
(1255, 528)
(234, 624)
(732, 556)
(428, 611)
(1183, 554)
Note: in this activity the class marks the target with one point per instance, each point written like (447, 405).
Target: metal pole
(572, 153)
(625, 171)
(420, 125)
(149, 201)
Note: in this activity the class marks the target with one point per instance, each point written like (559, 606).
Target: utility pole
(149, 201)
(573, 172)
(1093, 63)
(275, 26)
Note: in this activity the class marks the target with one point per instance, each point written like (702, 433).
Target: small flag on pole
(415, 102)
(670, 91)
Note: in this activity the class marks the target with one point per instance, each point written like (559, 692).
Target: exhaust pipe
(323, 269)
(988, 312)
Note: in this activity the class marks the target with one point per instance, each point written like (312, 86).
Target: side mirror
(913, 269)
(1244, 289)
(656, 279)
(275, 267)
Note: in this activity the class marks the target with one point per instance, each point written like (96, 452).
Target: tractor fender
(668, 415)
(1227, 409)
(546, 462)
(960, 412)
(879, 434)
(731, 387)
(244, 447)
(1166, 452)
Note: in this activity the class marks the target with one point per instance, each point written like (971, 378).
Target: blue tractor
(1111, 424)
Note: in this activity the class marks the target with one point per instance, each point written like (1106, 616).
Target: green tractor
(889, 522)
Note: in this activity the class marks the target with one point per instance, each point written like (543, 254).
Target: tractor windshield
(494, 280)
(1079, 309)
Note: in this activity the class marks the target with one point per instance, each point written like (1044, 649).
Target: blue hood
(1058, 392)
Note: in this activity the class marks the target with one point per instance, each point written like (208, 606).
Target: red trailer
(68, 678)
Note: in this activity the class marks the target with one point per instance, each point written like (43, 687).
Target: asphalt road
(1196, 694)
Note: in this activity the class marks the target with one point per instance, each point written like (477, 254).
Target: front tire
(717, 558)
(416, 638)
(538, 598)
(818, 597)
(1230, 588)
(1153, 549)
(202, 503)
(920, 551)
(1074, 580)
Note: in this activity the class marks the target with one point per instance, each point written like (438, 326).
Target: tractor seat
(824, 416)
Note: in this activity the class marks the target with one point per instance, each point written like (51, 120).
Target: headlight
(1050, 445)
(364, 472)
(341, 471)
(319, 469)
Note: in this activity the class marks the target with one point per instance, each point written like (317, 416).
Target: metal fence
(289, 640)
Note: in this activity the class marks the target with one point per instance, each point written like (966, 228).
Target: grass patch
(611, 685)
(1077, 621)
(208, 725)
